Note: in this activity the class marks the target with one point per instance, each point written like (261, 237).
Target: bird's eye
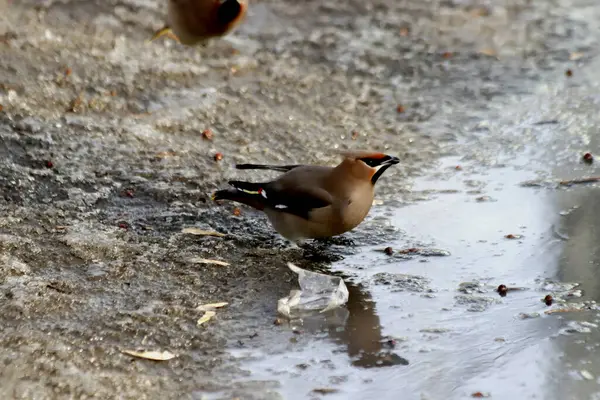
(370, 162)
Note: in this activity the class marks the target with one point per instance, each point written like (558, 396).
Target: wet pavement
(103, 164)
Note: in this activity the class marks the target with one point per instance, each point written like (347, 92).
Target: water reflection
(362, 332)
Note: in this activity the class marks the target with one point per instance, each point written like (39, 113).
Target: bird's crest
(356, 154)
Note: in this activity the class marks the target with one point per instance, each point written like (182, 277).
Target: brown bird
(195, 21)
(309, 202)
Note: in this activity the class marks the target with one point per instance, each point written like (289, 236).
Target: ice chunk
(318, 293)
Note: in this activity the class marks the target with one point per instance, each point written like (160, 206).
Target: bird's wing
(280, 168)
(297, 200)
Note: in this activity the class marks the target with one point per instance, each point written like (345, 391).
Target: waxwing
(193, 22)
(308, 201)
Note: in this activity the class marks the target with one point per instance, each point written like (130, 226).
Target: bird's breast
(355, 208)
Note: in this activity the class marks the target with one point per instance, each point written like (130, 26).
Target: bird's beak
(391, 161)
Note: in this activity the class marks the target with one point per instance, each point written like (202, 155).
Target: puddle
(422, 327)
(455, 343)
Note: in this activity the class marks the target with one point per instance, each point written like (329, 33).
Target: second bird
(195, 21)
(310, 202)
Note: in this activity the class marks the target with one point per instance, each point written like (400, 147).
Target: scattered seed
(389, 251)
(458, 168)
(128, 193)
(207, 134)
(404, 31)
(447, 54)
(548, 300)
(237, 212)
(68, 71)
(218, 156)
(502, 290)
(400, 109)
(588, 158)
(150, 355)
(123, 225)
(480, 395)
(49, 164)
(569, 73)
(206, 317)
(1, 108)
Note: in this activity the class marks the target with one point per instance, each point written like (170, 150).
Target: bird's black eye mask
(374, 162)
(228, 11)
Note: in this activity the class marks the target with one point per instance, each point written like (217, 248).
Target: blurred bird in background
(194, 22)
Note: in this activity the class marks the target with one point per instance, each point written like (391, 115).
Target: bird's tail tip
(221, 195)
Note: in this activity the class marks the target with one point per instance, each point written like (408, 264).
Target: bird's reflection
(361, 334)
(357, 327)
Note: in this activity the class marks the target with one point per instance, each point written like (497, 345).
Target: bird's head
(369, 165)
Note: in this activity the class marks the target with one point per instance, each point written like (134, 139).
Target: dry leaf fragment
(151, 355)
(575, 56)
(488, 52)
(562, 310)
(206, 317)
(209, 261)
(211, 306)
(200, 232)
(165, 154)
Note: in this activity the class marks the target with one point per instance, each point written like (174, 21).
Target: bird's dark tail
(244, 192)
(280, 168)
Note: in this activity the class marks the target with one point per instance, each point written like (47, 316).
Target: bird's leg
(164, 31)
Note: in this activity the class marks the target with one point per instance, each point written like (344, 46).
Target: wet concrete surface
(103, 164)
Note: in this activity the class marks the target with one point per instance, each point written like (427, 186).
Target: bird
(311, 201)
(193, 22)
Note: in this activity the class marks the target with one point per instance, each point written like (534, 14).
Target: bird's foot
(337, 241)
